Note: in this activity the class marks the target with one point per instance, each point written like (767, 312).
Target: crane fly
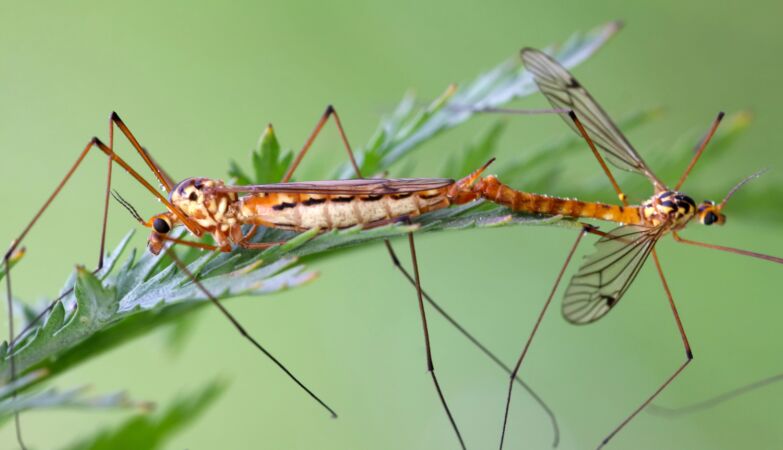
(205, 206)
(606, 274)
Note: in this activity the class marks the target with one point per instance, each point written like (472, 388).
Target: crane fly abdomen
(304, 211)
(493, 190)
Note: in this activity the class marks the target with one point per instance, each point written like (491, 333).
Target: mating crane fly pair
(208, 206)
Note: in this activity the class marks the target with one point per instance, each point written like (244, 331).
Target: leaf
(407, 127)
(269, 162)
(150, 432)
(142, 295)
(75, 398)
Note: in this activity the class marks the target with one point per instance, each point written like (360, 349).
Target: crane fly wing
(563, 91)
(370, 186)
(606, 274)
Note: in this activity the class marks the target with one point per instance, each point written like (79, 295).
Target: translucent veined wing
(606, 274)
(564, 92)
(370, 186)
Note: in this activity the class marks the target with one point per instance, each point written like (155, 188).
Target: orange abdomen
(493, 190)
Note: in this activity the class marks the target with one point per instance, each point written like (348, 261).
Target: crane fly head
(196, 201)
(711, 213)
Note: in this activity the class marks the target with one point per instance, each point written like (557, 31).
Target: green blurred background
(197, 84)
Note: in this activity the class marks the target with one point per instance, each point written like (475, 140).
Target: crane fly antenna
(740, 184)
(127, 206)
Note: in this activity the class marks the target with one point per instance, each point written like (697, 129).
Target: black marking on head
(313, 201)
(161, 226)
(193, 196)
(710, 218)
(283, 206)
(342, 199)
(372, 198)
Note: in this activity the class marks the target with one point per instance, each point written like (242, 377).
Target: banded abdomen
(493, 190)
(303, 211)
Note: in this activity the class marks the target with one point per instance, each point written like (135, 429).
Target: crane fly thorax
(197, 199)
(673, 208)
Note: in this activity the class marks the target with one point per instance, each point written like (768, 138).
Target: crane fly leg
(665, 384)
(513, 375)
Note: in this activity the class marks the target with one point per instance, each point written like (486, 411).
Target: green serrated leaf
(150, 432)
(99, 315)
(269, 161)
(408, 128)
(75, 398)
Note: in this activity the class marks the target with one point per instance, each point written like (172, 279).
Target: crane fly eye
(193, 197)
(161, 226)
(710, 218)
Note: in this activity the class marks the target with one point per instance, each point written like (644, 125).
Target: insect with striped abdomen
(607, 273)
(205, 206)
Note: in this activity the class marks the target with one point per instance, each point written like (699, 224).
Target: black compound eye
(193, 197)
(710, 218)
(161, 226)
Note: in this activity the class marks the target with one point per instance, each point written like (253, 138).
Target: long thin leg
(17, 242)
(702, 146)
(726, 396)
(620, 194)
(716, 400)
(289, 173)
(477, 343)
(515, 371)
(243, 332)
(688, 356)
(162, 177)
(330, 111)
(430, 365)
(17, 419)
(113, 158)
(727, 249)
(515, 111)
